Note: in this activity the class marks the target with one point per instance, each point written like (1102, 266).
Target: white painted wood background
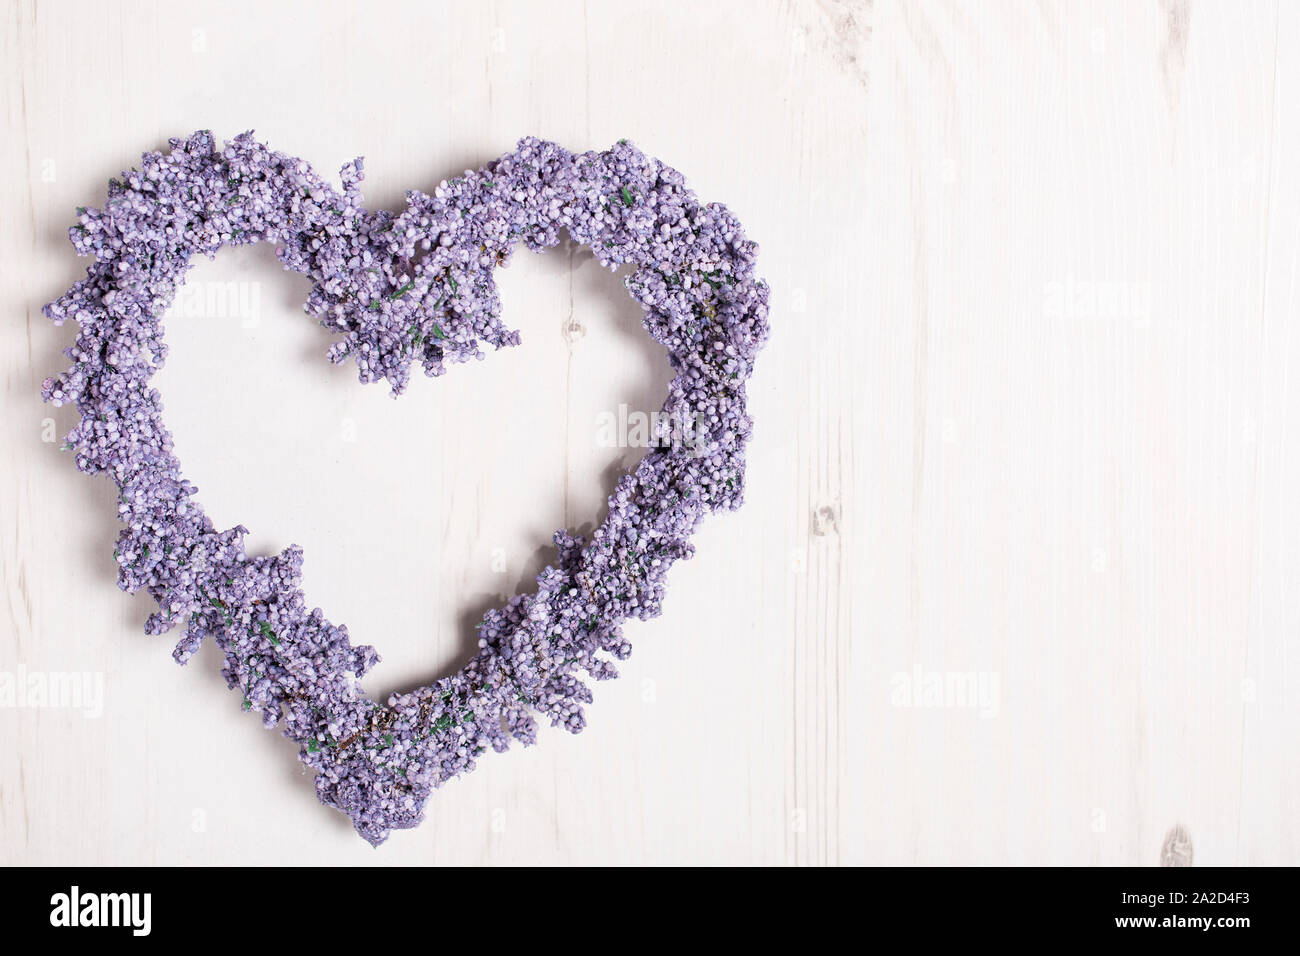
(1027, 415)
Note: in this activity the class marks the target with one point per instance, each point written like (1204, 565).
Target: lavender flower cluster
(402, 289)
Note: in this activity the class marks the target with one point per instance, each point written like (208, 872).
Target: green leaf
(626, 194)
(403, 290)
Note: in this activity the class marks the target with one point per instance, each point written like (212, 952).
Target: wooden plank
(1015, 579)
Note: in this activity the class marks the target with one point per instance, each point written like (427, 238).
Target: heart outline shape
(402, 288)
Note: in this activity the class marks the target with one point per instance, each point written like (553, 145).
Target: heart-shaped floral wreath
(414, 287)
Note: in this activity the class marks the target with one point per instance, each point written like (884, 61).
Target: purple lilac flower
(398, 290)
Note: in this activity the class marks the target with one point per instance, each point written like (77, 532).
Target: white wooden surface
(1026, 419)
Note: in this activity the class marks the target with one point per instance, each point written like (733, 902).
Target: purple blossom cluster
(398, 290)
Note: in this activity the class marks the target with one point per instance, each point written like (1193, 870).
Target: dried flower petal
(694, 277)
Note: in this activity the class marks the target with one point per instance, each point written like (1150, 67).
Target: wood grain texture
(1016, 580)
